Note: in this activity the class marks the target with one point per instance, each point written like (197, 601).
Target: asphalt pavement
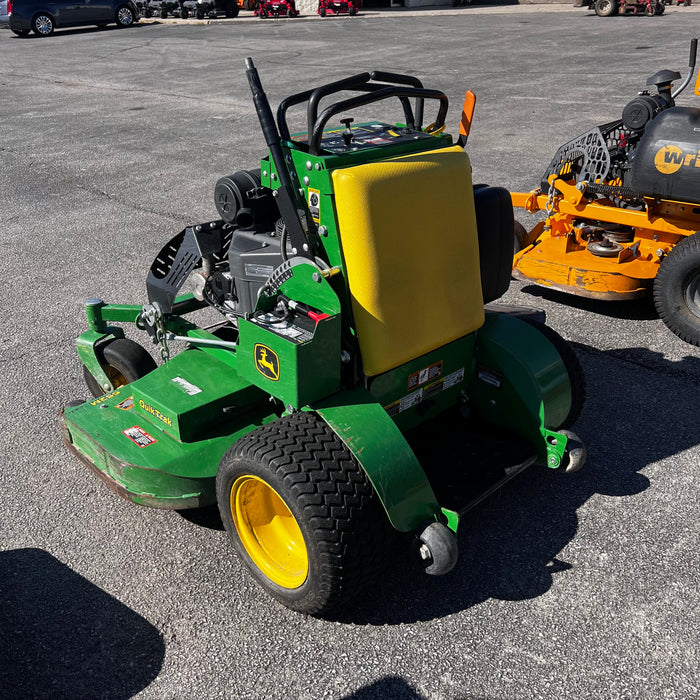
(111, 142)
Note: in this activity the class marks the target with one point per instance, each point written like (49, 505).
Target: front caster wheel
(438, 549)
(574, 455)
(123, 361)
(301, 513)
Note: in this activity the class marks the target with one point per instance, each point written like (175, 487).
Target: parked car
(4, 14)
(43, 16)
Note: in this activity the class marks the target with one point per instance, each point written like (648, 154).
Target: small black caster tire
(574, 455)
(438, 549)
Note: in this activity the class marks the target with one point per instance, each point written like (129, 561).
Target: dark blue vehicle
(43, 16)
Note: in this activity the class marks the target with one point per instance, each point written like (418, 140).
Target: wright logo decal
(671, 159)
(267, 362)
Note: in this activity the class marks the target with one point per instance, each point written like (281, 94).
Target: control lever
(347, 134)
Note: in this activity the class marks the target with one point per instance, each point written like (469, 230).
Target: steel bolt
(344, 356)
(425, 552)
(316, 277)
(306, 180)
(273, 176)
(308, 165)
(322, 231)
(318, 166)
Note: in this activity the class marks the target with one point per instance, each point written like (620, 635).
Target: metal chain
(549, 207)
(152, 316)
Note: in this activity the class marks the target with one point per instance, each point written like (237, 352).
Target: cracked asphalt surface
(579, 587)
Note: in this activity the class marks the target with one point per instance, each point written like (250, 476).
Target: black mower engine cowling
(651, 151)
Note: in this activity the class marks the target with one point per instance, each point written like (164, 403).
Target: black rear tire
(316, 486)
(124, 361)
(677, 290)
(577, 379)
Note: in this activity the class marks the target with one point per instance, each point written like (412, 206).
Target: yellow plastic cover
(409, 239)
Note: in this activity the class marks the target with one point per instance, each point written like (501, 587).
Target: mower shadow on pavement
(60, 633)
(634, 310)
(510, 544)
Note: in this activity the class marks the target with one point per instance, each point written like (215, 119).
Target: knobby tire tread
(350, 527)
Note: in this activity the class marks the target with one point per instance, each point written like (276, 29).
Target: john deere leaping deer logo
(267, 362)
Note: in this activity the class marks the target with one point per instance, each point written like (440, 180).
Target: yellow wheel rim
(269, 532)
(115, 376)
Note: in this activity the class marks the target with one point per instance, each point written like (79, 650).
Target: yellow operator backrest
(409, 240)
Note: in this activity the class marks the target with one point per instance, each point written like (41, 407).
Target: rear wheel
(605, 8)
(301, 513)
(43, 24)
(123, 361)
(677, 290)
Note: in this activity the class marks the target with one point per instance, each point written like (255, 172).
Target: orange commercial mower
(622, 209)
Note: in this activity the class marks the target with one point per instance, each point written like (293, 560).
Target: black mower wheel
(677, 290)
(605, 8)
(519, 236)
(163, 14)
(577, 379)
(574, 455)
(123, 361)
(660, 8)
(302, 514)
(438, 549)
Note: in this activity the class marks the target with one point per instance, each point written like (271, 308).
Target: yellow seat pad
(409, 240)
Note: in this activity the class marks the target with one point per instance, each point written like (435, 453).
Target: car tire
(43, 24)
(123, 361)
(124, 17)
(330, 534)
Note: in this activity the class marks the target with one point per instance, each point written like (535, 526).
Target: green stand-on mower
(356, 387)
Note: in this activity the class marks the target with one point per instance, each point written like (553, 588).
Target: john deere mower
(353, 387)
(622, 209)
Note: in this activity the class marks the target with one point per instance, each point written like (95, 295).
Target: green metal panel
(191, 393)
(520, 381)
(134, 450)
(294, 366)
(379, 446)
(418, 390)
